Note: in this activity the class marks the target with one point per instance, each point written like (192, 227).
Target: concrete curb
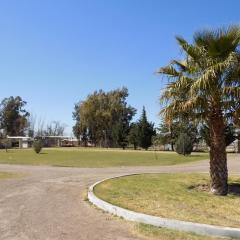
(198, 228)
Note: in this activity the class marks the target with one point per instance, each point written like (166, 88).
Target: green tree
(133, 135)
(13, 116)
(145, 131)
(184, 144)
(121, 129)
(77, 127)
(205, 87)
(165, 134)
(169, 133)
(120, 134)
(37, 146)
(105, 117)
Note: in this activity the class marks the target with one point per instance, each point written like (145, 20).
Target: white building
(20, 141)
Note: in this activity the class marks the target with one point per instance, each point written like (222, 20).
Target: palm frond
(190, 50)
(232, 91)
(208, 77)
(170, 71)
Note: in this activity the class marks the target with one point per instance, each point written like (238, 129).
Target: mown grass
(178, 196)
(90, 157)
(165, 234)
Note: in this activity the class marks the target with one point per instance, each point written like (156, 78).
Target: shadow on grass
(234, 189)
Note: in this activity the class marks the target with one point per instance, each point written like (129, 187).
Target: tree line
(15, 120)
(105, 119)
(192, 132)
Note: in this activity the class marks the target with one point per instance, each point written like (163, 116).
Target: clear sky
(53, 53)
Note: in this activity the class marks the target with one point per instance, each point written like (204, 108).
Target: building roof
(19, 137)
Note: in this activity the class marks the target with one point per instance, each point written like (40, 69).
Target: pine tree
(145, 131)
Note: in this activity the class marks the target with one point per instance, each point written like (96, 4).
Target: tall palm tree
(205, 87)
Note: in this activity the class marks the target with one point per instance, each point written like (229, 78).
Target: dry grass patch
(178, 196)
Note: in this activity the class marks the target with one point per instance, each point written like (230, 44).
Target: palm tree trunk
(218, 157)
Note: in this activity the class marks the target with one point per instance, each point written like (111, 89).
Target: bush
(184, 144)
(37, 146)
(5, 143)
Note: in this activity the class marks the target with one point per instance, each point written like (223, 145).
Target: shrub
(37, 146)
(184, 144)
(6, 143)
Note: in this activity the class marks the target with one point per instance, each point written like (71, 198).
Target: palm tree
(205, 87)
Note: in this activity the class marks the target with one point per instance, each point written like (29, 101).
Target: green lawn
(89, 157)
(178, 196)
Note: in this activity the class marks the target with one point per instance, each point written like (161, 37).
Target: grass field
(178, 196)
(89, 157)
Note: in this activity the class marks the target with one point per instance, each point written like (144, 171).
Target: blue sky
(54, 53)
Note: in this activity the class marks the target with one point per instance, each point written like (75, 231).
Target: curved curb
(198, 228)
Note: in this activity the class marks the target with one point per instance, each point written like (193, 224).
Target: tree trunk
(218, 157)
(172, 146)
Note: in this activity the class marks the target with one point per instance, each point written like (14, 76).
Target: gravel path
(48, 204)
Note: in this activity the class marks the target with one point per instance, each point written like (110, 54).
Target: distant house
(48, 141)
(20, 141)
(59, 141)
(69, 142)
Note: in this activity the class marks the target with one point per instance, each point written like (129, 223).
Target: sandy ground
(48, 203)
